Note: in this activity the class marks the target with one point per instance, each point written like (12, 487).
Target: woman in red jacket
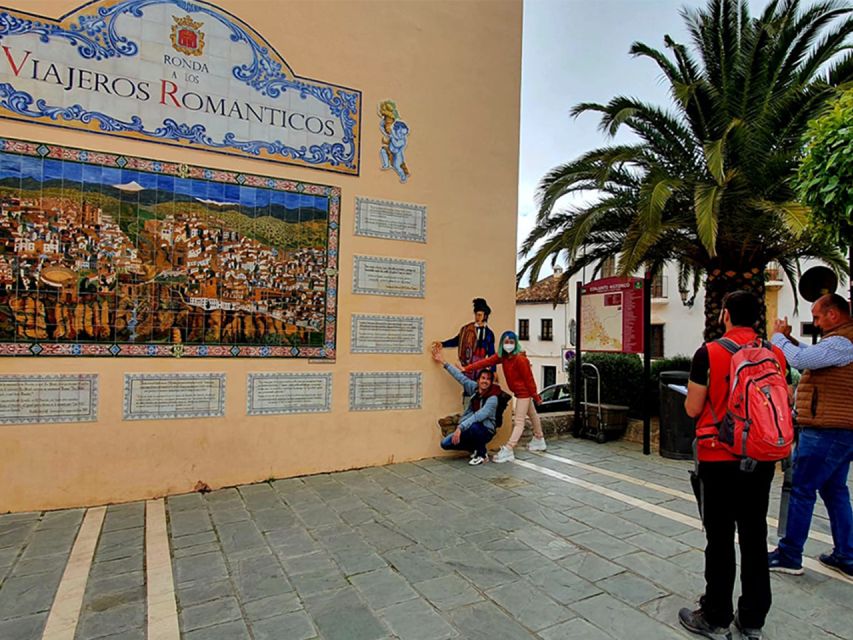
(519, 377)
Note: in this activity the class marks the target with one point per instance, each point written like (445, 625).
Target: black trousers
(734, 498)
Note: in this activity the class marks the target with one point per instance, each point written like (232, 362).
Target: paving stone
(259, 496)
(41, 564)
(113, 620)
(230, 516)
(193, 540)
(259, 577)
(183, 523)
(116, 567)
(545, 542)
(590, 566)
(317, 516)
(315, 582)
(416, 620)
(631, 588)
(272, 606)
(340, 615)
(383, 538)
(291, 542)
(603, 544)
(383, 588)
(122, 543)
(416, 563)
(575, 628)
(50, 542)
(210, 613)
(448, 592)
(487, 622)
(562, 585)
(64, 519)
(272, 519)
(476, 566)
(240, 536)
(193, 593)
(185, 502)
(124, 516)
(235, 630)
(310, 562)
(424, 531)
(124, 584)
(23, 628)
(528, 605)
(621, 620)
(206, 566)
(21, 596)
(196, 550)
(657, 545)
(293, 626)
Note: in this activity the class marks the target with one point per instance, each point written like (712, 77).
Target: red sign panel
(612, 315)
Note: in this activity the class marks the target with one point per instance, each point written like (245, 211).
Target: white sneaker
(505, 454)
(476, 460)
(537, 444)
(473, 455)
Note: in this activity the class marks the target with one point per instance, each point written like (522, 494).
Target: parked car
(555, 398)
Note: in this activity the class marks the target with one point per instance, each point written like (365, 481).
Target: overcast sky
(577, 51)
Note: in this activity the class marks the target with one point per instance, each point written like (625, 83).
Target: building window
(659, 286)
(549, 376)
(524, 329)
(547, 332)
(608, 267)
(656, 340)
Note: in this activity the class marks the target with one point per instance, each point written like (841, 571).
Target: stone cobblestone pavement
(591, 541)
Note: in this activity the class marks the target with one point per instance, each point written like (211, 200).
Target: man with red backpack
(739, 396)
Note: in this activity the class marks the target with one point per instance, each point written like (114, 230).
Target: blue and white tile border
(89, 392)
(418, 291)
(416, 213)
(415, 322)
(410, 380)
(214, 409)
(255, 379)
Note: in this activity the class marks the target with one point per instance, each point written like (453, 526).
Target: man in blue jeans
(825, 448)
(477, 423)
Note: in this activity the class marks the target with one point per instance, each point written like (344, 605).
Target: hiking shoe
(695, 622)
(748, 633)
(780, 564)
(537, 444)
(505, 454)
(831, 561)
(475, 460)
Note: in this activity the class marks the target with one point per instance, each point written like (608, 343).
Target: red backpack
(758, 424)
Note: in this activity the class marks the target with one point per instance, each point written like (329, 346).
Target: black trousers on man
(734, 498)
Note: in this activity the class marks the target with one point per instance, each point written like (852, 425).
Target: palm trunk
(719, 282)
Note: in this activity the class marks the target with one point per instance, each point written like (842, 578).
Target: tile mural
(108, 255)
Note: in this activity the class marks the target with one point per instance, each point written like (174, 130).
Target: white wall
(543, 352)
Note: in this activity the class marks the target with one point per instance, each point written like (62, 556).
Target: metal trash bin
(677, 429)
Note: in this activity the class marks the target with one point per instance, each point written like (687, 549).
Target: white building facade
(676, 328)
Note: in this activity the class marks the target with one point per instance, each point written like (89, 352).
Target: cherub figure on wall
(395, 135)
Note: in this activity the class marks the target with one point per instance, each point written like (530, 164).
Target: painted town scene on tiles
(110, 255)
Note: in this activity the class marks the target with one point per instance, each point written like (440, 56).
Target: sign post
(613, 315)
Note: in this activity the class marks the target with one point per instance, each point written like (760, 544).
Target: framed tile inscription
(177, 73)
(279, 393)
(385, 390)
(380, 276)
(391, 220)
(387, 334)
(52, 398)
(158, 396)
(110, 255)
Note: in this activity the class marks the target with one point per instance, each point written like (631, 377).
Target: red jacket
(517, 371)
(709, 448)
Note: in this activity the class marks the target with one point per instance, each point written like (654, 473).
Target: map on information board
(612, 315)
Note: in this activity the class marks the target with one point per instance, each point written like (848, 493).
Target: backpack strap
(729, 345)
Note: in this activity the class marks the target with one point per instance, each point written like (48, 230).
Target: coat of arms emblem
(187, 37)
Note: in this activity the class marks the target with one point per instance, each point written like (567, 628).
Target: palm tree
(708, 184)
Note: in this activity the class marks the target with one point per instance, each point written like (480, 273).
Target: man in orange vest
(730, 496)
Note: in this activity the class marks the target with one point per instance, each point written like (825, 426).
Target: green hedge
(622, 378)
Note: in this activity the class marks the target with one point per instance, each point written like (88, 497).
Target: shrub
(621, 379)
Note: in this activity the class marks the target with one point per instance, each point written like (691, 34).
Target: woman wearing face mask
(519, 377)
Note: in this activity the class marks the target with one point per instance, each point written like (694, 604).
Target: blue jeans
(821, 463)
(474, 438)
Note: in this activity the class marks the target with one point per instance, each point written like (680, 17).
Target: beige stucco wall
(454, 70)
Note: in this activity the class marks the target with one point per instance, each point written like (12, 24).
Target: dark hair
(835, 301)
(743, 308)
(488, 372)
